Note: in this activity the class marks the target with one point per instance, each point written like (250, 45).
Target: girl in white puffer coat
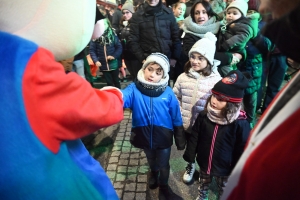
(193, 87)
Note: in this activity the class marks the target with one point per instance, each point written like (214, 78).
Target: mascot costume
(45, 112)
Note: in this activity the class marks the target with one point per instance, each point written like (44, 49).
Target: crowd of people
(223, 53)
(219, 61)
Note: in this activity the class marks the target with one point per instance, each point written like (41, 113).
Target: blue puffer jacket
(154, 119)
(97, 54)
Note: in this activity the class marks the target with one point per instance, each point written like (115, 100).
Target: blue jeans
(158, 160)
(78, 67)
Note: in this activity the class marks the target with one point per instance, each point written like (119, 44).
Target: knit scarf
(151, 10)
(216, 117)
(212, 25)
(148, 88)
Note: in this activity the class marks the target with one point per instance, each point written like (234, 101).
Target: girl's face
(198, 62)
(217, 103)
(126, 14)
(233, 14)
(153, 73)
(179, 10)
(200, 15)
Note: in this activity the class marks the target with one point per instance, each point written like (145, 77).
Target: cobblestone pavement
(128, 169)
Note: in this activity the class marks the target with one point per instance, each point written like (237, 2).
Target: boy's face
(153, 73)
(233, 14)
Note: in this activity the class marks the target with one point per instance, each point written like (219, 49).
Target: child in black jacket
(220, 133)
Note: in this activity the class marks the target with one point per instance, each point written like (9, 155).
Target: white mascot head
(62, 26)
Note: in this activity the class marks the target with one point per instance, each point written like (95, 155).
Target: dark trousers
(272, 78)
(133, 67)
(250, 101)
(205, 181)
(112, 78)
(159, 161)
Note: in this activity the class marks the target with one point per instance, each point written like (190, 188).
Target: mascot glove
(111, 88)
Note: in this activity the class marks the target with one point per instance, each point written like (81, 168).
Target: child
(104, 52)
(155, 119)
(192, 87)
(236, 32)
(179, 10)
(220, 133)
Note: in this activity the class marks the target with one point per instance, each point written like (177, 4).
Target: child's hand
(110, 58)
(98, 64)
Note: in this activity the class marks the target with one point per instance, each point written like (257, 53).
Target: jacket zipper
(106, 58)
(151, 118)
(212, 148)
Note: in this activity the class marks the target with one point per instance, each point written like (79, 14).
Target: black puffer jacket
(124, 38)
(150, 33)
(234, 36)
(218, 147)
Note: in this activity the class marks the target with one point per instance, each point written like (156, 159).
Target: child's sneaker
(189, 173)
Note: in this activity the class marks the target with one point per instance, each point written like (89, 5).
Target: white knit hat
(128, 5)
(206, 47)
(242, 5)
(160, 59)
(111, 3)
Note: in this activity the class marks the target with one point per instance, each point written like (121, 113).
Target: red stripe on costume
(63, 106)
(272, 170)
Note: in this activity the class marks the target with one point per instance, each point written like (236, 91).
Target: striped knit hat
(160, 59)
(231, 87)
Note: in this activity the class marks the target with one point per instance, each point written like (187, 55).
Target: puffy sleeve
(63, 106)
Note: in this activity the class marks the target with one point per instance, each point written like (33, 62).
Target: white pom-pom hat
(206, 47)
(242, 5)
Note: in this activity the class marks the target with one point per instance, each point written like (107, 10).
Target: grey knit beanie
(128, 5)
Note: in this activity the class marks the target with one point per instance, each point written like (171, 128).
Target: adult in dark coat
(154, 29)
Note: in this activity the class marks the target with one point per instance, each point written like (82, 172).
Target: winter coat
(155, 120)
(124, 38)
(234, 36)
(97, 52)
(154, 33)
(218, 147)
(256, 48)
(53, 112)
(194, 32)
(192, 91)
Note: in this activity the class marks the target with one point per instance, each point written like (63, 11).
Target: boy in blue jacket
(156, 118)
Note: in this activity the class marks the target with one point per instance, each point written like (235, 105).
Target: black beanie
(231, 87)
